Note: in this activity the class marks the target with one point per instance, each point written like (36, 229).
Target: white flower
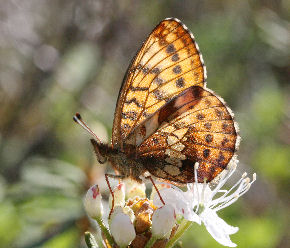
(163, 220)
(218, 228)
(127, 210)
(179, 200)
(134, 189)
(159, 186)
(119, 196)
(202, 202)
(122, 228)
(93, 202)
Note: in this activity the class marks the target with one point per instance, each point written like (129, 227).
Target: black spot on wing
(200, 116)
(155, 70)
(208, 138)
(180, 82)
(131, 115)
(158, 94)
(206, 153)
(220, 160)
(175, 57)
(145, 70)
(208, 125)
(177, 69)
(158, 80)
(225, 140)
(170, 48)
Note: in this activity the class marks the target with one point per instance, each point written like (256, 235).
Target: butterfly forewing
(165, 116)
(168, 63)
(195, 126)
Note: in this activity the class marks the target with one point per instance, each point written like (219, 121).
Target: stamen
(227, 201)
(202, 192)
(224, 198)
(254, 177)
(226, 192)
(247, 187)
(244, 175)
(242, 189)
(196, 165)
(223, 180)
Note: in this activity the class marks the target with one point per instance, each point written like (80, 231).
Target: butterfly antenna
(78, 119)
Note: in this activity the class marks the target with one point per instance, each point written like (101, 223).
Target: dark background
(59, 57)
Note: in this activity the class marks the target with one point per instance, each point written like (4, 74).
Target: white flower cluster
(124, 223)
(198, 204)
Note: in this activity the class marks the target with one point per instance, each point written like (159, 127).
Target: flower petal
(119, 196)
(163, 221)
(180, 201)
(134, 189)
(122, 229)
(93, 202)
(218, 228)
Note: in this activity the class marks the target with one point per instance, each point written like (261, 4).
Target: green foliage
(272, 161)
(258, 232)
(66, 239)
(268, 109)
(90, 240)
(10, 224)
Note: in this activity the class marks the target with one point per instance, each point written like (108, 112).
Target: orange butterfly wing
(195, 126)
(168, 63)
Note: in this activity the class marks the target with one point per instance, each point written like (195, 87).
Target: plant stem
(150, 242)
(105, 230)
(185, 224)
(90, 240)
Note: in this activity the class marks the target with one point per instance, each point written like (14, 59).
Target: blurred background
(60, 57)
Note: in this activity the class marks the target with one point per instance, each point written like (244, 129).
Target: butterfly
(166, 119)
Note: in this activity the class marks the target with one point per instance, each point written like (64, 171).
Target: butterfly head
(101, 151)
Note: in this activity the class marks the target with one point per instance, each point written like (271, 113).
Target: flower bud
(93, 202)
(122, 229)
(134, 189)
(163, 220)
(119, 195)
(127, 210)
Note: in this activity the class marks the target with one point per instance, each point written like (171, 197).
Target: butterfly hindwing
(195, 126)
(168, 63)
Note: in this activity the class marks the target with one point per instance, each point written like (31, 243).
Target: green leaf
(90, 240)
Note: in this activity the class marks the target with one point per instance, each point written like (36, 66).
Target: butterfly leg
(111, 191)
(150, 178)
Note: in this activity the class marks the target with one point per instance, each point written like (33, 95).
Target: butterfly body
(166, 119)
(126, 163)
